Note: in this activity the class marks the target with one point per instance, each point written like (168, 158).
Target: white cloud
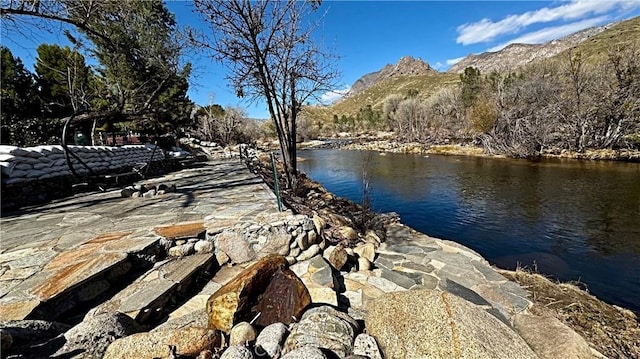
(330, 97)
(438, 66)
(452, 62)
(551, 33)
(486, 30)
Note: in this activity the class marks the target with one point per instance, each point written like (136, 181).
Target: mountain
(416, 75)
(405, 67)
(518, 55)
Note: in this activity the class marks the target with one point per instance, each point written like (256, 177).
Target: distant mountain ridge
(405, 66)
(517, 55)
(417, 76)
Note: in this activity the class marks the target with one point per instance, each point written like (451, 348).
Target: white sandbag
(6, 149)
(5, 157)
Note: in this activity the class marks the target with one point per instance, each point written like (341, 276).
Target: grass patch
(613, 331)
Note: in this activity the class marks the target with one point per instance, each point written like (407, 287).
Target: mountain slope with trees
(583, 98)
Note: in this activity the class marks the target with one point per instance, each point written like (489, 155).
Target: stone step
(80, 277)
(193, 311)
(156, 293)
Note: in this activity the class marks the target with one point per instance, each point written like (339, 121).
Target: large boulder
(435, 324)
(550, 338)
(188, 341)
(24, 336)
(92, 336)
(267, 287)
(326, 328)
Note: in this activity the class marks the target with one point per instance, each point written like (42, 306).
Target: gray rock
(94, 334)
(313, 237)
(235, 246)
(322, 273)
(29, 332)
(406, 249)
(550, 338)
(398, 278)
(303, 241)
(429, 281)
(237, 352)
(366, 345)
(323, 327)
(488, 272)
(271, 339)
(294, 252)
(421, 322)
(203, 246)
(424, 268)
(242, 333)
(305, 353)
(307, 224)
(127, 192)
(464, 292)
(309, 253)
(181, 250)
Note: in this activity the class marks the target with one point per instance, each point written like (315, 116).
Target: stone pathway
(71, 251)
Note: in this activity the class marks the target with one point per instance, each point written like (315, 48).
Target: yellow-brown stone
(17, 310)
(79, 271)
(268, 287)
(181, 230)
(108, 237)
(189, 342)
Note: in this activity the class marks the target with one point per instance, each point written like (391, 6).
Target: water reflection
(575, 220)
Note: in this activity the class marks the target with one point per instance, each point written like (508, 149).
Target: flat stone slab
(69, 272)
(412, 260)
(149, 294)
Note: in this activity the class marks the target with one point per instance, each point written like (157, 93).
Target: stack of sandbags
(42, 162)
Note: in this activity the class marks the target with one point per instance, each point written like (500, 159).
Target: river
(573, 220)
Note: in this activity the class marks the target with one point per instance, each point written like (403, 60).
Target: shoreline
(391, 146)
(609, 328)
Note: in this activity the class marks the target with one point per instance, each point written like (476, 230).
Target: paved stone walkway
(48, 251)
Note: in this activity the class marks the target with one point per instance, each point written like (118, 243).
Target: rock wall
(37, 174)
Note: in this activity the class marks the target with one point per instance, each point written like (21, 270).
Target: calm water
(574, 220)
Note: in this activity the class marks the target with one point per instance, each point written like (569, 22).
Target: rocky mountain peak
(406, 66)
(517, 55)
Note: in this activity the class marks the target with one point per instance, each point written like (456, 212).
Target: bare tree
(621, 100)
(270, 55)
(411, 117)
(578, 104)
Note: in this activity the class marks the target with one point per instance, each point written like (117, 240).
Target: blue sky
(367, 35)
